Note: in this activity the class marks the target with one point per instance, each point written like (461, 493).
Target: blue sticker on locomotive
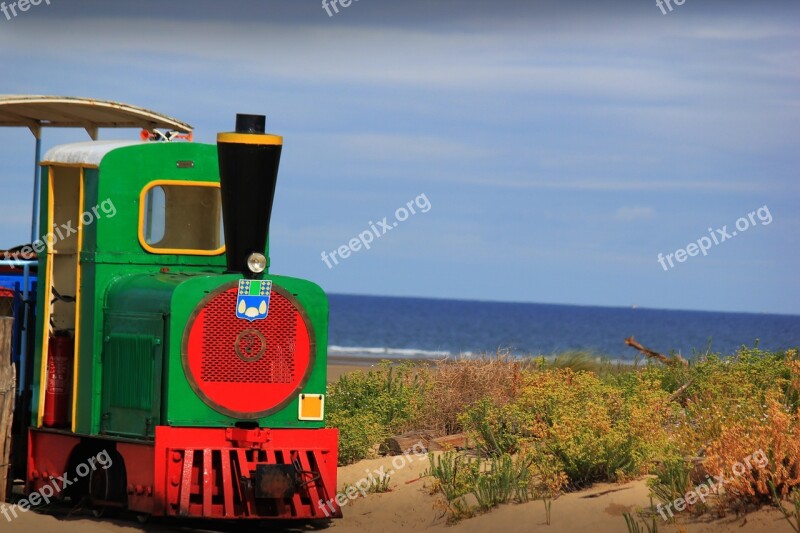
(252, 302)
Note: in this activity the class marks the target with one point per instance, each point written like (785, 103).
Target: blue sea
(417, 328)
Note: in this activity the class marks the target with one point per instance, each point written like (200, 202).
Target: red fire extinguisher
(60, 356)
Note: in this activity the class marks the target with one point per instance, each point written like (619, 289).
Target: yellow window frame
(172, 251)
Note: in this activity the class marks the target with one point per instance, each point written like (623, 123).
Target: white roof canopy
(36, 112)
(85, 154)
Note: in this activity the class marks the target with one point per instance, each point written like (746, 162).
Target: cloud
(629, 214)
(609, 184)
(403, 147)
(739, 31)
(497, 58)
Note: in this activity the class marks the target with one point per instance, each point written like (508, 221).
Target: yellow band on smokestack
(250, 138)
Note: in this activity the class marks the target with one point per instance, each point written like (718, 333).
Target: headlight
(257, 263)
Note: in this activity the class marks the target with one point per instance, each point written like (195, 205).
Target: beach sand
(343, 365)
(409, 506)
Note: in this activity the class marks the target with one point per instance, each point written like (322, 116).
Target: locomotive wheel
(100, 484)
(107, 489)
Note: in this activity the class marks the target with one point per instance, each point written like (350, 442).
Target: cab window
(183, 218)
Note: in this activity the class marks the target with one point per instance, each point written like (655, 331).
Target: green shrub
(490, 481)
(359, 434)
(632, 522)
(368, 407)
(593, 430)
(596, 431)
(391, 392)
(498, 430)
(380, 485)
(502, 480)
(672, 481)
(454, 474)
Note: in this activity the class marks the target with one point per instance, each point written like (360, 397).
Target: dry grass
(456, 383)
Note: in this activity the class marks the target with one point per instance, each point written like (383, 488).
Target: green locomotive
(163, 342)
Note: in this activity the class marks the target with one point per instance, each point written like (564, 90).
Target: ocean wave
(420, 354)
(390, 353)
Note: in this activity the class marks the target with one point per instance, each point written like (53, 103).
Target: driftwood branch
(423, 442)
(630, 341)
(677, 394)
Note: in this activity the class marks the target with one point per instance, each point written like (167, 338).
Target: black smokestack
(248, 171)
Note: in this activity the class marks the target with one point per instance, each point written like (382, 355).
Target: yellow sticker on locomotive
(252, 302)
(311, 407)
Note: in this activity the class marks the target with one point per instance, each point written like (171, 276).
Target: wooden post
(8, 392)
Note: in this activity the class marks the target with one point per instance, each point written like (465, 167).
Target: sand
(409, 506)
(341, 367)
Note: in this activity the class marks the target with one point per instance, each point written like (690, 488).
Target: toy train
(165, 346)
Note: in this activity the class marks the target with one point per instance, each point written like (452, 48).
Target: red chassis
(216, 473)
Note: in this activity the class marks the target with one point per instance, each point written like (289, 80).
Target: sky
(559, 147)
